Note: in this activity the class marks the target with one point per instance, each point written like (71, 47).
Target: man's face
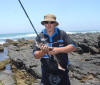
(49, 25)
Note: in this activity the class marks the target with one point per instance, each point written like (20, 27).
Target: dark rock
(93, 50)
(9, 41)
(19, 64)
(88, 42)
(1, 48)
(21, 40)
(15, 43)
(6, 44)
(84, 62)
(85, 48)
(79, 50)
(23, 59)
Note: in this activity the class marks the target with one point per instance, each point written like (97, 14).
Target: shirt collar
(55, 31)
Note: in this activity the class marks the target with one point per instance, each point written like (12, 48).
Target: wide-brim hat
(49, 17)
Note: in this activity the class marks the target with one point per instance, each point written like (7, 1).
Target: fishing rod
(40, 40)
(29, 20)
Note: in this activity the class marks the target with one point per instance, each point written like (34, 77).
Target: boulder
(9, 41)
(1, 48)
(3, 63)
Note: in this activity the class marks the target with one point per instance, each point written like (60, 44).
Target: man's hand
(53, 51)
(44, 48)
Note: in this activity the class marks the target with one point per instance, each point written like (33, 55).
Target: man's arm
(66, 49)
(44, 49)
(38, 54)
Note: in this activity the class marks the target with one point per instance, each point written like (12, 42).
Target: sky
(72, 15)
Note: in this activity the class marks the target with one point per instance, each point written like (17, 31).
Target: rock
(6, 79)
(85, 48)
(24, 59)
(25, 42)
(15, 43)
(94, 50)
(1, 48)
(1, 82)
(37, 82)
(84, 62)
(22, 77)
(3, 63)
(9, 41)
(75, 82)
(85, 68)
(21, 40)
(79, 50)
(6, 44)
(30, 41)
(99, 44)
(88, 42)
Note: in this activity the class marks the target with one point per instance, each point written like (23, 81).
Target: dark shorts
(61, 78)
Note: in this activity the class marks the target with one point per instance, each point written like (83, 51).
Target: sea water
(16, 36)
(3, 56)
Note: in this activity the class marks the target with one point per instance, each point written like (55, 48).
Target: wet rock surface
(84, 68)
(23, 59)
(1, 48)
(21, 77)
(6, 79)
(87, 43)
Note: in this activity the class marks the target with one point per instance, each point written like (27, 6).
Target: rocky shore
(84, 68)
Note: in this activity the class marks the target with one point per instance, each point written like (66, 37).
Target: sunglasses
(49, 22)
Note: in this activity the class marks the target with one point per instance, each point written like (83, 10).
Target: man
(53, 54)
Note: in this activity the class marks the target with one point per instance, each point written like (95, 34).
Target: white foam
(2, 42)
(30, 35)
(17, 36)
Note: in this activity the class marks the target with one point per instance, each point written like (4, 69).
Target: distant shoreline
(31, 36)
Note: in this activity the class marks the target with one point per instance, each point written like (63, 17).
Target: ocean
(16, 36)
